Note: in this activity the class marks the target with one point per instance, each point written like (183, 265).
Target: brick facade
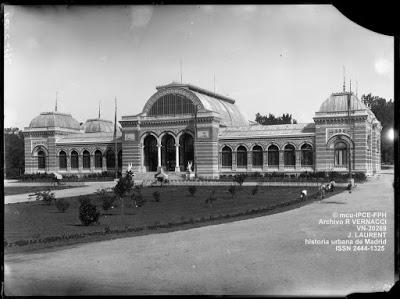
(219, 124)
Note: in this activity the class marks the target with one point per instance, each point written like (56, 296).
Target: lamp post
(351, 135)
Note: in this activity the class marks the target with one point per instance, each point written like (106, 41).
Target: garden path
(89, 188)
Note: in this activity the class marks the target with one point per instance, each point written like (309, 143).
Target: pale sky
(270, 58)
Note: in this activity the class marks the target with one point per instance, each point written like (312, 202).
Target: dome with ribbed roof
(54, 119)
(98, 125)
(337, 102)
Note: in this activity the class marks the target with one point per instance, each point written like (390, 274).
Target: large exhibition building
(183, 124)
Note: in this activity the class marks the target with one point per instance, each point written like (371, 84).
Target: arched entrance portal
(168, 152)
(186, 151)
(150, 153)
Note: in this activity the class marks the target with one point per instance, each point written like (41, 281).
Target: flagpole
(115, 139)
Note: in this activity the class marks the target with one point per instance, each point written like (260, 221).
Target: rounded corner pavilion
(182, 125)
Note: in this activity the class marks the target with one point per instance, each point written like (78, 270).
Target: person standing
(322, 191)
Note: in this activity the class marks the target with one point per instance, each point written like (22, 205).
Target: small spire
(344, 79)
(99, 109)
(350, 85)
(56, 100)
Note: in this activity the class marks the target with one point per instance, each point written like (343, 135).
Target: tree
(14, 158)
(384, 112)
(286, 118)
(124, 187)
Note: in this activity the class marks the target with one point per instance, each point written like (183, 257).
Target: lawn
(38, 221)
(32, 189)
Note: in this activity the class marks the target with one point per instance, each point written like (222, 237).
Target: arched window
(41, 160)
(86, 160)
(341, 154)
(98, 159)
(257, 156)
(290, 155)
(74, 160)
(226, 157)
(110, 159)
(241, 157)
(62, 160)
(172, 104)
(120, 159)
(273, 156)
(307, 155)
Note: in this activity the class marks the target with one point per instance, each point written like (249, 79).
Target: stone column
(91, 163)
(57, 164)
(104, 163)
(234, 162)
(141, 146)
(177, 169)
(68, 163)
(281, 160)
(298, 160)
(159, 156)
(80, 161)
(265, 161)
(249, 160)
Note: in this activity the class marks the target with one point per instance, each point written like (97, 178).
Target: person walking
(333, 184)
(322, 191)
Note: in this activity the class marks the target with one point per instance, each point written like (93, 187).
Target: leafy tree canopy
(384, 112)
(14, 158)
(271, 119)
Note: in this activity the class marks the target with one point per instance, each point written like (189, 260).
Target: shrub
(232, 190)
(254, 190)
(137, 196)
(45, 196)
(256, 175)
(161, 180)
(88, 213)
(192, 190)
(139, 200)
(359, 176)
(101, 192)
(62, 205)
(107, 202)
(239, 178)
(156, 196)
(124, 185)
